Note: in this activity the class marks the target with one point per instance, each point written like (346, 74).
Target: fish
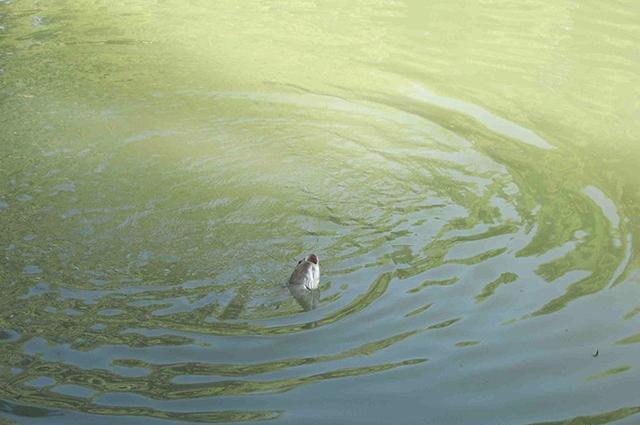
(306, 273)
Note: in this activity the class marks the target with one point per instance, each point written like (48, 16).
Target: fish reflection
(307, 298)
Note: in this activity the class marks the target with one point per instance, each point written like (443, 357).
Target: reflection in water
(469, 175)
(307, 298)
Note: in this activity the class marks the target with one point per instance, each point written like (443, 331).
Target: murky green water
(467, 173)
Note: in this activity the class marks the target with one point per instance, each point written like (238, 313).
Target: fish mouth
(313, 258)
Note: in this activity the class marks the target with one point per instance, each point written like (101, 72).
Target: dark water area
(467, 175)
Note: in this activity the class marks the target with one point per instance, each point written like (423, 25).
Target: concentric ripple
(175, 289)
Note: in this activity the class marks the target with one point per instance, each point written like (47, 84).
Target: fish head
(307, 272)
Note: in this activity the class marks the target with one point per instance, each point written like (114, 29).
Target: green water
(467, 173)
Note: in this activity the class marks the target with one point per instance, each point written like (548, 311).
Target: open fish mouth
(313, 258)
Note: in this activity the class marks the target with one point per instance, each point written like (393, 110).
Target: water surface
(467, 173)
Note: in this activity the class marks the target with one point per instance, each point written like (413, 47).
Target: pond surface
(467, 173)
